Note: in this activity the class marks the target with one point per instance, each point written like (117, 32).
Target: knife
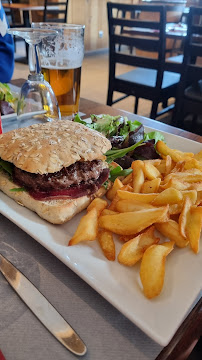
(43, 310)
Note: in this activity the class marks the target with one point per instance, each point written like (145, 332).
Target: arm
(6, 50)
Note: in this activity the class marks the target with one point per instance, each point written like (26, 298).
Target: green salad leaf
(110, 125)
(118, 153)
(118, 171)
(154, 135)
(7, 95)
(6, 166)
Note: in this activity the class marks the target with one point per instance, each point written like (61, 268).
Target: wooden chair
(148, 79)
(59, 15)
(189, 94)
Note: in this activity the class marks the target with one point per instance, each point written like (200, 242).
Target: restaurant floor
(94, 84)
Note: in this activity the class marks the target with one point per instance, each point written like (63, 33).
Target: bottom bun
(56, 211)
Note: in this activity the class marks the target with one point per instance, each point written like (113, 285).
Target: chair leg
(109, 96)
(154, 109)
(165, 104)
(136, 105)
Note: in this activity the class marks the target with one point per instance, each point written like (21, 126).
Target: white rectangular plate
(158, 318)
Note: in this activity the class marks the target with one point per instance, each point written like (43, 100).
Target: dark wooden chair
(148, 79)
(189, 94)
(53, 15)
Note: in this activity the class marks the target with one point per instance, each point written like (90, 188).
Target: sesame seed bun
(47, 148)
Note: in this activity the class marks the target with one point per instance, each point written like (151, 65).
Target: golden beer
(66, 86)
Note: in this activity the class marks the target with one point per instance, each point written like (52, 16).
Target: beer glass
(61, 62)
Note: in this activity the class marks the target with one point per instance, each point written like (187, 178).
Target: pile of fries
(162, 194)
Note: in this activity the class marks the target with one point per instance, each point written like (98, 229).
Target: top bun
(47, 148)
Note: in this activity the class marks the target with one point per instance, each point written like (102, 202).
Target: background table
(106, 332)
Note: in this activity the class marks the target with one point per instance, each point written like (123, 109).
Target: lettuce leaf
(6, 166)
(154, 135)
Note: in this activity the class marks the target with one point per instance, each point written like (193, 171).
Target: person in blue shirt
(6, 49)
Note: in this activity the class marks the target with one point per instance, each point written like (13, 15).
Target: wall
(93, 14)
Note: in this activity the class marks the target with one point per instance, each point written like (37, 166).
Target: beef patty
(78, 173)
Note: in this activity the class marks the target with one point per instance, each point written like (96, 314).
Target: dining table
(26, 10)
(107, 333)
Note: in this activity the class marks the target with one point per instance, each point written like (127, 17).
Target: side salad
(128, 138)
(8, 100)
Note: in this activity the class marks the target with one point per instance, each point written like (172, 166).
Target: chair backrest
(192, 71)
(9, 12)
(148, 35)
(59, 14)
(174, 13)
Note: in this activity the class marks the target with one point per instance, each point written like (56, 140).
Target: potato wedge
(183, 216)
(138, 175)
(168, 196)
(133, 250)
(130, 205)
(129, 223)
(106, 242)
(193, 227)
(176, 155)
(150, 171)
(171, 230)
(112, 192)
(127, 179)
(152, 269)
(127, 195)
(87, 228)
(198, 156)
(108, 212)
(125, 238)
(99, 204)
(151, 186)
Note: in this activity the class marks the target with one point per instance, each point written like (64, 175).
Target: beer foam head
(65, 50)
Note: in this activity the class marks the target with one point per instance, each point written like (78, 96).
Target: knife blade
(42, 308)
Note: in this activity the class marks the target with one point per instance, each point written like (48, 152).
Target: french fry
(133, 250)
(196, 186)
(127, 179)
(129, 223)
(150, 171)
(112, 192)
(199, 198)
(99, 204)
(112, 206)
(106, 242)
(198, 156)
(193, 163)
(108, 212)
(193, 227)
(138, 175)
(175, 155)
(168, 196)
(171, 230)
(131, 205)
(163, 194)
(151, 186)
(174, 183)
(152, 269)
(192, 194)
(183, 216)
(145, 198)
(87, 228)
(168, 165)
(125, 238)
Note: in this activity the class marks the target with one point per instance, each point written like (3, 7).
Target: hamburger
(54, 169)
